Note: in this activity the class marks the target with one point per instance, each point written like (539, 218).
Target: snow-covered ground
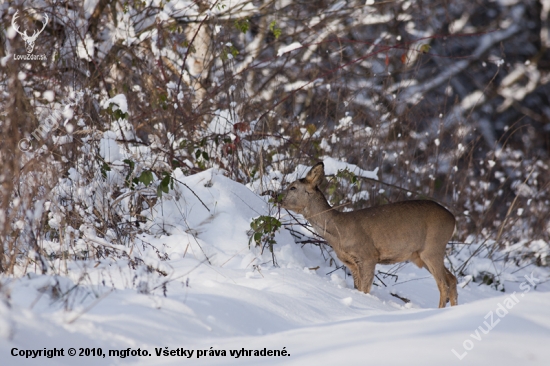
(223, 297)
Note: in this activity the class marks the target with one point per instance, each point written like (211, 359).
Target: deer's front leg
(350, 262)
(355, 273)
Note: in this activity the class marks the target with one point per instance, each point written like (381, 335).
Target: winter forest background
(103, 139)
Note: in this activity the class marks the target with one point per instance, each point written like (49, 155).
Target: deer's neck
(323, 218)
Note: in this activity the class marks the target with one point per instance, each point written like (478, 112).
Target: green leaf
(117, 114)
(275, 30)
(424, 48)
(243, 25)
(165, 184)
(104, 169)
(127, 180)
(131, 163)
(146, 177)
(258, 238)
(175, 164)
(263, 229)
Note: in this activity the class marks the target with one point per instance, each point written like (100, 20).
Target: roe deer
(416, 231)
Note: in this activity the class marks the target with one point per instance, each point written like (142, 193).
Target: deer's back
(398, 229)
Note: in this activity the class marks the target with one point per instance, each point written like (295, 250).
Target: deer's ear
(315, 175)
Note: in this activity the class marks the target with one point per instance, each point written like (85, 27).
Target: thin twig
(192, 191)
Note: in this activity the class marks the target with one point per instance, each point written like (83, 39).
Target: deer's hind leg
(434, 264)
(451, 283)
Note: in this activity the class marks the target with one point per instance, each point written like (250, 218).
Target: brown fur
(416, 231)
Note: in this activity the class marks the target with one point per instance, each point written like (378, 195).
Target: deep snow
(221, 294)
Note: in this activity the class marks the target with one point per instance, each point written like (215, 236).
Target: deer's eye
(292, 188)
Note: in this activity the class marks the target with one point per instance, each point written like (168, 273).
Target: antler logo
(29, 40)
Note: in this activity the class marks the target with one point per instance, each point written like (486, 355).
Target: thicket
(450, 100)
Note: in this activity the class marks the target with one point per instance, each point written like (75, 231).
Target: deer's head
(29, 40)
(300, 192)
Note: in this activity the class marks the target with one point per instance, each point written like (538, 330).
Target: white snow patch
(332, 166)
(222, 123)
(108, 147)
(119, 101)
(289, 48)
(48, 95)
(85, 49)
